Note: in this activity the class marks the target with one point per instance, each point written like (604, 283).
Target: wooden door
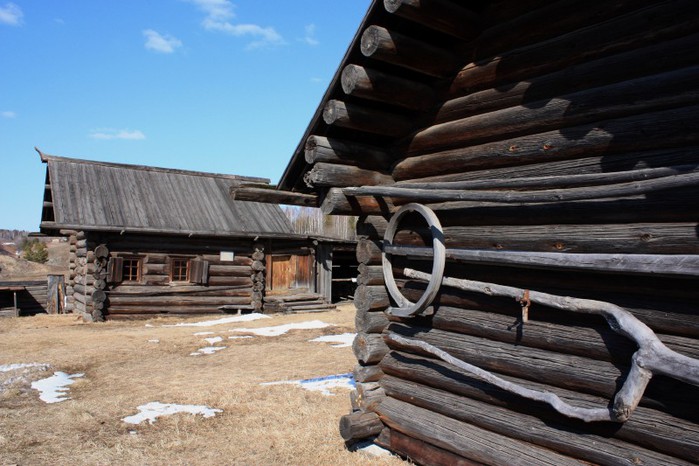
(282, 272)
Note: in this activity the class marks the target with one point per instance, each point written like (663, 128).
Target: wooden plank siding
(537, 92)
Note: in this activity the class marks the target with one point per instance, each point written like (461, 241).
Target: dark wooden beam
(273, 196)
(374, 85)
(360, 118)
(391, 47)
(441, 15)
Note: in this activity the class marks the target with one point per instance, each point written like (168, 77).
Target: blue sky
(210, 85)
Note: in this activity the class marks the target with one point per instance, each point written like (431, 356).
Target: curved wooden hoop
(406, 308)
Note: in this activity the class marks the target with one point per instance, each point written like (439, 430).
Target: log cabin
(150, 241)
(525, 173)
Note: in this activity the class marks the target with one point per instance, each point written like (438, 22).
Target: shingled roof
(99, 196)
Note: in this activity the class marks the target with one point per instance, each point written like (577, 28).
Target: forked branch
(651, 358)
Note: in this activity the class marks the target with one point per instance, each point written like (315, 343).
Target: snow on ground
(153, 410)
(207, 350)
(203, 333)
(282, 329)
(153, 341)
(55, 388)
(213, 340)
(372, 449)
(20, 373)
(321, 384)
(224, 320)
(239, 337)
(14, 367)
(343, 340)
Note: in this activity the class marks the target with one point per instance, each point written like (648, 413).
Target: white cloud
(108, 134)
(8, 114)
(221, 10)
(160, 43)
(11, 14)
(219, 14)
(310, 37)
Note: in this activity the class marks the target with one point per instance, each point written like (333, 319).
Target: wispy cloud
(8, 114)
(108, 134)
(11, 14)
(160, 43)
(310, 37)
(219, 16)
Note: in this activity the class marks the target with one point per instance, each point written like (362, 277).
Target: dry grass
(260, 424)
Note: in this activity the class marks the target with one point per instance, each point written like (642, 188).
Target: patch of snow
(239, 337)
(372, 449)
(213, 340)
(153, 410)
(207, 350)
(149, 325)
(224, 320)
(343, 340)
(282, 329)
(153, 341)
(55, 388)
(321, 384)
(14, 367)
(203, 333)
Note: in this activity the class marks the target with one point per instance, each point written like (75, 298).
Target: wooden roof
(99, 196)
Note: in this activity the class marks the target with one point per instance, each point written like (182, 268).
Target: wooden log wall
(603, 88)
(228, 286)
(368, 347)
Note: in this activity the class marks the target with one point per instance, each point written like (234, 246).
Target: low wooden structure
(146, 241)
(23, 298)
(556, 143)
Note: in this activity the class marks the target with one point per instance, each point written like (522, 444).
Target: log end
(351, 75)
(371, 39)
(330, 112)
(392, 5)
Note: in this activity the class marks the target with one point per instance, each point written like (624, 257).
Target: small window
(179, 270)
(131, 270)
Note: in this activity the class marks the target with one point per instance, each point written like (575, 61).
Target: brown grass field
(260, 425)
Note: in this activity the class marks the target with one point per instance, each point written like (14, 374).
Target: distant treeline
(13, 236)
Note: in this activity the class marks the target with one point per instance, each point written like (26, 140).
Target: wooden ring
(406, 308)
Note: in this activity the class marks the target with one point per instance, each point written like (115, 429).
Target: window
(131, 270)
(179, 270)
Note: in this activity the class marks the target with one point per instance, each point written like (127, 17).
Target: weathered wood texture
(212, 283)
(510, 96)
(419, 451)
(465, 439)
(649, 428)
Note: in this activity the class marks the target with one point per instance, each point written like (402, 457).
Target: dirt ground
(128, 364)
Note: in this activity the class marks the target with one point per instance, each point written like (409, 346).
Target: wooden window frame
(174, 261)
(126, 277)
